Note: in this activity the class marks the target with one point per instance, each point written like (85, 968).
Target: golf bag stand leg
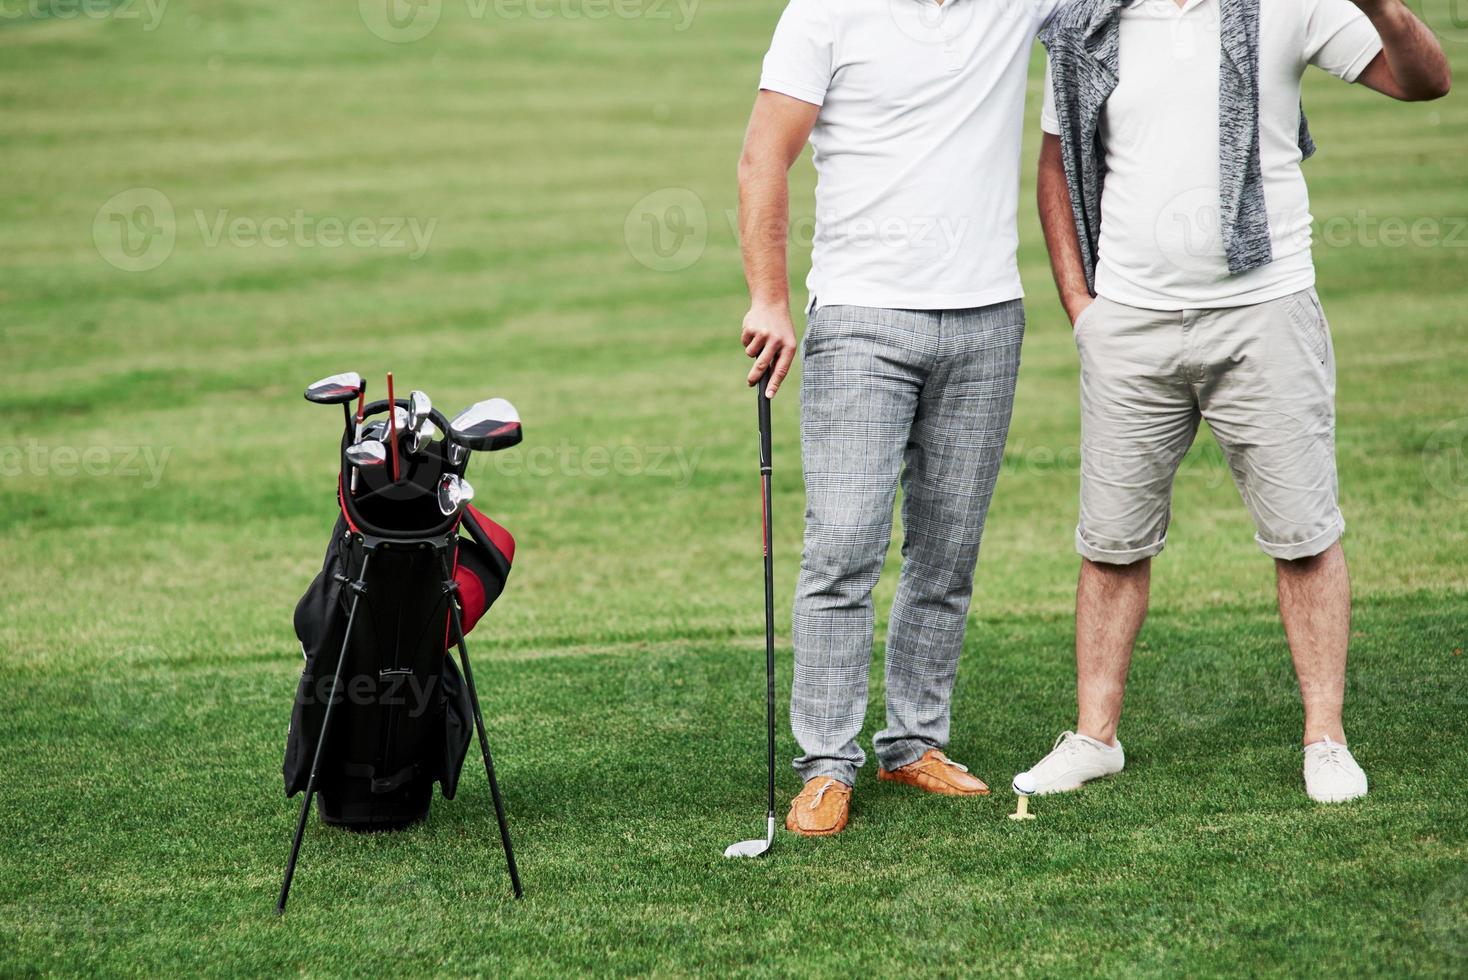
(358, 589)
(451, 589)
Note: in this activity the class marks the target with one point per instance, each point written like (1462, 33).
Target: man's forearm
(1412, 51)
(1058, 222)
(764, 222)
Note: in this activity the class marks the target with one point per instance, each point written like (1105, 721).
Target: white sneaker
(1074, 761)
(1331, 773)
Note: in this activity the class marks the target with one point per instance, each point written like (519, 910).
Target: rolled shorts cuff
(1128, 556)
(1308, 548)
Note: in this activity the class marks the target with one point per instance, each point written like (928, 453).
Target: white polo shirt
(1161, 245)
(917, 145)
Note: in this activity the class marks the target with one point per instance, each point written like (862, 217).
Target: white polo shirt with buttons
(1161, 247)
(917, 145)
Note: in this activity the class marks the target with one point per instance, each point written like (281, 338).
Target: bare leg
(1315, 604)
(1111, 602)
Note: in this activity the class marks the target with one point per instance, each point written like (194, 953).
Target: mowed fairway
(166, 497)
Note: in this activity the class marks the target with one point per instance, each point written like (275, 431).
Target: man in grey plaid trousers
(910, 355)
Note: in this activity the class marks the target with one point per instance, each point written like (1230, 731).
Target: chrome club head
(418, 408)
(487, 426)
(456, 453)
(753, 848)
(367, 454)
(376, 429)
(337, 389)
(422, 435)
(454, 493)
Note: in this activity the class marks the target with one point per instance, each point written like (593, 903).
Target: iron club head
(753, 848)
(487, 426)
(419, 406)
(454, 493)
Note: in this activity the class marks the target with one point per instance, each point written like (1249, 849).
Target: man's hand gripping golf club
(759, 847)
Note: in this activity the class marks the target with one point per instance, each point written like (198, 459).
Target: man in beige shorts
(1188, 113)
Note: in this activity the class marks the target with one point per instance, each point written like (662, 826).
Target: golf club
(421, 436)
(367, 454)
(339, 389)
(419, 406)
(757, 847)
(393, 429)
(454, 492)
(487, 426)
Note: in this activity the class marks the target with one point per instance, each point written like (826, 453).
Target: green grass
(145, 636)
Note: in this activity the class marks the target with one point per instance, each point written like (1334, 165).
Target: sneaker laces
(1333, 754)
(1068, 742)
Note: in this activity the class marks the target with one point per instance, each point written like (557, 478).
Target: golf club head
(336, 390)
(454, 493)
(487, 426)
(748, 849)
(418, 408)
(753, 848)
(421, 436)
(457, 454)
(367, 454)
(373, 430)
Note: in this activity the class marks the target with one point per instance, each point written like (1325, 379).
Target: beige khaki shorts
(1264, 378)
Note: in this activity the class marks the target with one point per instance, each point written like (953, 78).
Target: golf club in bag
(758, 847)
(382, 712)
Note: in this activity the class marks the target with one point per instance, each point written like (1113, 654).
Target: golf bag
(381, 711)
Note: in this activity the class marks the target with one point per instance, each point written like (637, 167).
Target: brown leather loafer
(821, 808)
(936, 773)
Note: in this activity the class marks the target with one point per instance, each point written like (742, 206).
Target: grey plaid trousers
(926, 394)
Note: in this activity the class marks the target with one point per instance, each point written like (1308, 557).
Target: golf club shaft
(392, 423)
(765, 470)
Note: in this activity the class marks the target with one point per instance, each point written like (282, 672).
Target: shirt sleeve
(1339, 38)
(1048, 121)
(799, 62)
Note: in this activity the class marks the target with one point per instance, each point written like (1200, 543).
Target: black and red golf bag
(382, 712)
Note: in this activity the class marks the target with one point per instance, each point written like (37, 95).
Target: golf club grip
(764, 421)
